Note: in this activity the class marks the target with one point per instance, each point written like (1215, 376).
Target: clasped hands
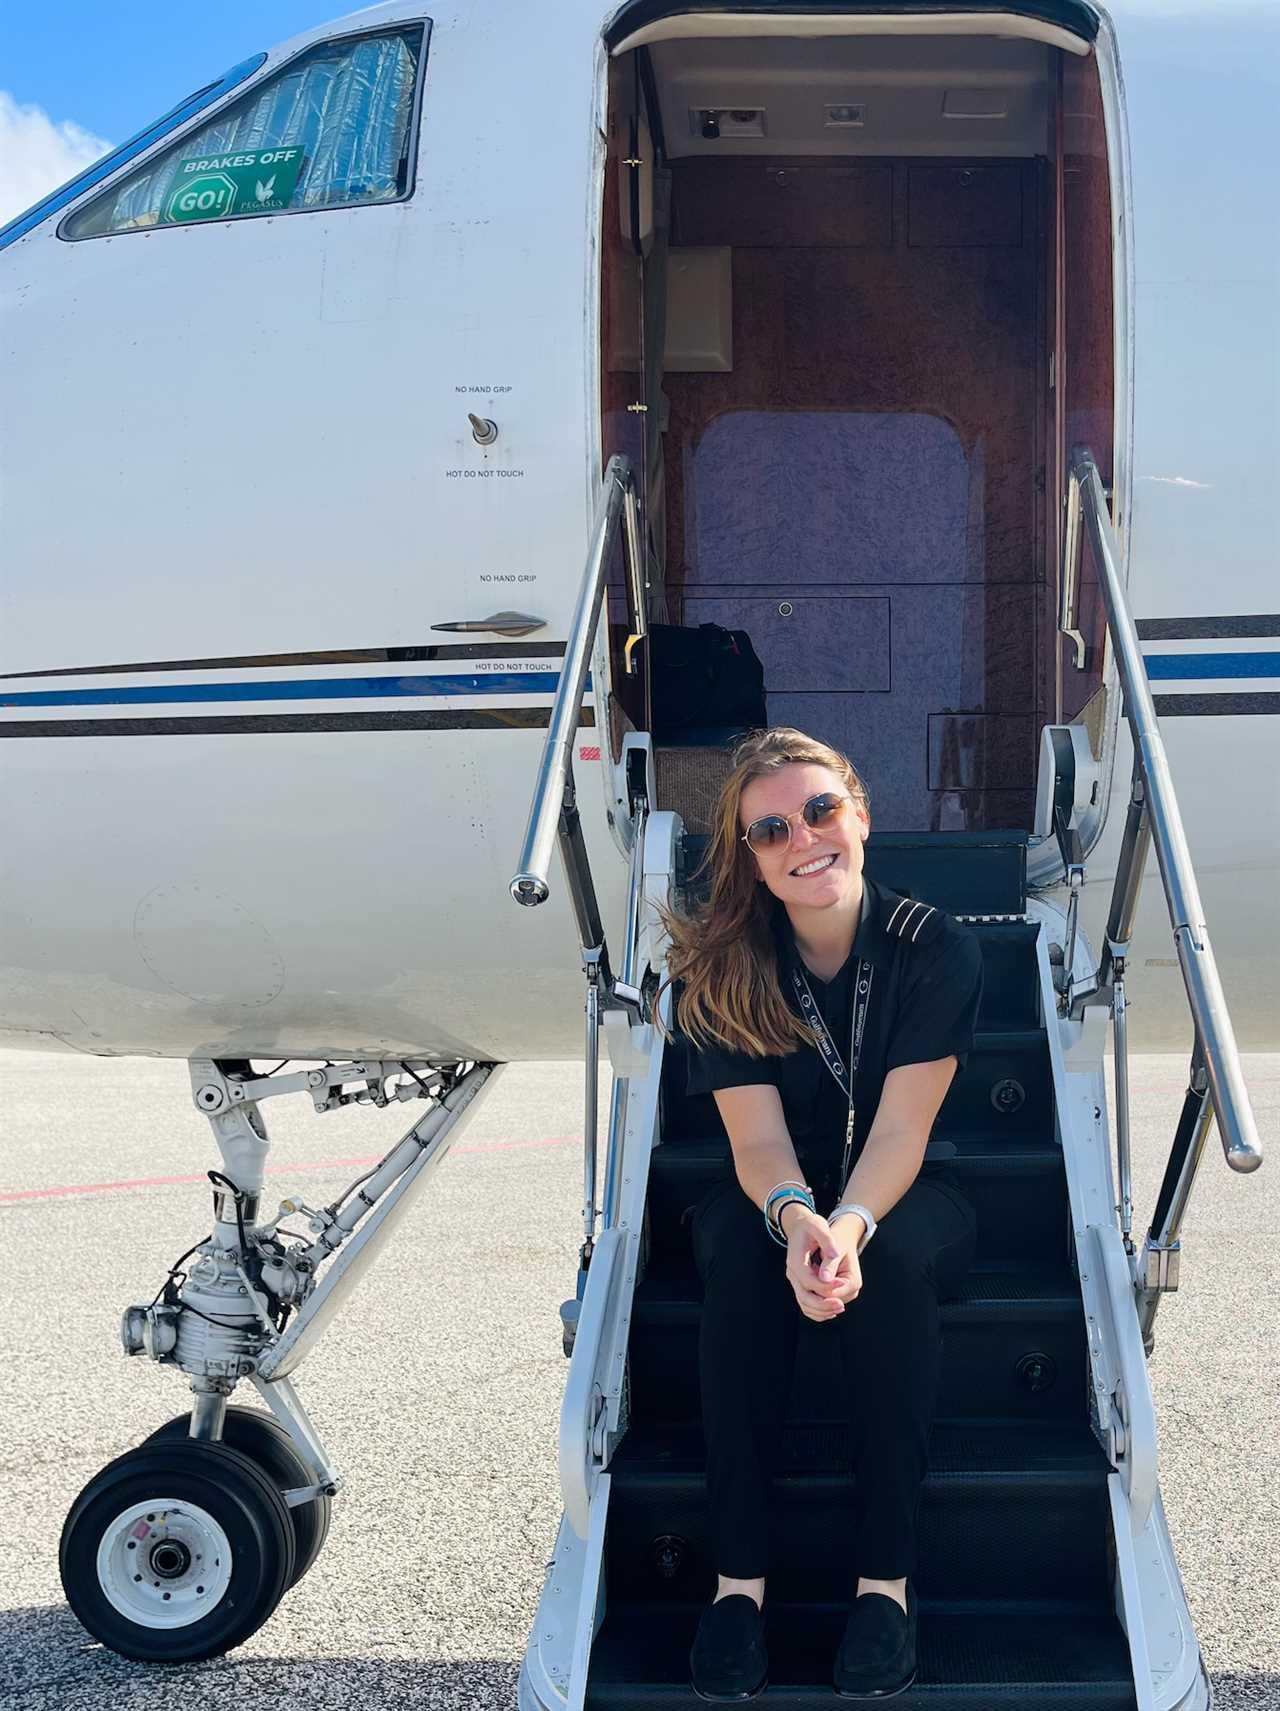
(822, 1261)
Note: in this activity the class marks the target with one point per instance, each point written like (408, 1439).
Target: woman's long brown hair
(723, 952)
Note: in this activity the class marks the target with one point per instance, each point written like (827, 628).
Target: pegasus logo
(263, 191)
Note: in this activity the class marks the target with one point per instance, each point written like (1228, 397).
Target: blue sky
(78, 74)
(111, 68)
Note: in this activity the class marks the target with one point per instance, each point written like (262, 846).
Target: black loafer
(877, 1657)
(729, 1663)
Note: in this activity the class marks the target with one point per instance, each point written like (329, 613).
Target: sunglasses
(773, 831)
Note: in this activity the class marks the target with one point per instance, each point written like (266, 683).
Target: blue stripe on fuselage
(294, 689)
(1213, 665)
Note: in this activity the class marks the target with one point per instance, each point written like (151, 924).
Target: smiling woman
(716, 956)
(822, 1009)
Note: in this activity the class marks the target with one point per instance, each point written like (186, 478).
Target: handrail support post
(1120, 1022)
(1075, 880)
(1135, 845)
(591, 1096)
(1157, 1268)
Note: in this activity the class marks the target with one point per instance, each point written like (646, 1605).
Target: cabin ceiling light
(975, 104)
(846, 113)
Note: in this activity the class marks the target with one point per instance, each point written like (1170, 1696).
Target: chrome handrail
(1154, 815)
(554, 818)
(554, 788)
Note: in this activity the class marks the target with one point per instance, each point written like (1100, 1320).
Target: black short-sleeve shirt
(926, 985)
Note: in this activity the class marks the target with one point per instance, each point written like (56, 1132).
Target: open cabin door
(874, 313)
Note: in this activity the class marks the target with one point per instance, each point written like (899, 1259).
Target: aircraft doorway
(856, 309)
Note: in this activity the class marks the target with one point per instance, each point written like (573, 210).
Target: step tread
(1009, 1039)
(665, 1451)
(973, 1651)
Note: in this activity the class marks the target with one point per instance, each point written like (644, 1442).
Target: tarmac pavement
(437, 1389)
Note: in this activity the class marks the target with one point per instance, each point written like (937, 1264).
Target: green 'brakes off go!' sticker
(245, 181)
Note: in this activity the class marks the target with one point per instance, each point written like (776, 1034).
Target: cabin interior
(856, 309)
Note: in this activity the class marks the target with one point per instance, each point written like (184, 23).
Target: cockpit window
(332, 129)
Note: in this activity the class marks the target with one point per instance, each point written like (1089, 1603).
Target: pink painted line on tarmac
(9, 1195)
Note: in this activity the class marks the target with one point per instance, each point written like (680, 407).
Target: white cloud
(38, 154)
(1177, 481)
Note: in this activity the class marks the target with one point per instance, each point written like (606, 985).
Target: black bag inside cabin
(707, 683)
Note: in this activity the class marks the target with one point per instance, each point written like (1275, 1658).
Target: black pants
(890, 1345)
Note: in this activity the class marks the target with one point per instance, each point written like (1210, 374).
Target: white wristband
(864, 1212)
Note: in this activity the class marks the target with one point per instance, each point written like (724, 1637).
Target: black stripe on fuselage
(1149, 629)
(1215, 706)
(1208, 629)
(463, 719)
(331, 656)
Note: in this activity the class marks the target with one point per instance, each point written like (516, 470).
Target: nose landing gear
(181, 1549)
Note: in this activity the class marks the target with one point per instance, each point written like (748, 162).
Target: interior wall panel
(879, 432)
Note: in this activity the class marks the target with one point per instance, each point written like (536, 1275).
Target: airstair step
(1016, 1185)
(1006, 1086)
(958, 1449)
(1005, 1089)
(1013, 1346)
(1010, 979)
(995, 1490)
(1024, 1656)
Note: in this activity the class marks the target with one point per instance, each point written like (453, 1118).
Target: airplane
(417, 437)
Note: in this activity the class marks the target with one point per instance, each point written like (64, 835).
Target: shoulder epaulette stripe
(909, 916)
(929, 910)
(890, 923)
(900, 924)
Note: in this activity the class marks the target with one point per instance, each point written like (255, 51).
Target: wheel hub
(164, 1564)
(170, 1559)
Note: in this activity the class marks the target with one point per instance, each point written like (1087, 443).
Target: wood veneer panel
(776, 204)
(978, 207)
(924, 344)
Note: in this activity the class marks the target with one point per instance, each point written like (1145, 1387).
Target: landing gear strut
(182, 1548)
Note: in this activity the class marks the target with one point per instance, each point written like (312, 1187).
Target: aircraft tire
(177, 1551)
(264, 1440)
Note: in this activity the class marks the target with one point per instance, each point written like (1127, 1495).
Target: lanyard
(845, 1077)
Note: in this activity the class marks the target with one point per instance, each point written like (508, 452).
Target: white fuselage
(230, 448)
